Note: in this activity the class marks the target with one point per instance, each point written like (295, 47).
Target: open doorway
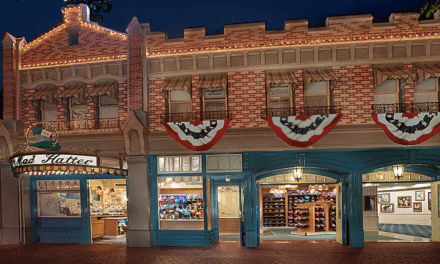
(229, 213)
(298, 212)
(108, 210)
(397, 211)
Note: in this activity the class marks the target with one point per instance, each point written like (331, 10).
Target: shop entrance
(108, 210)
(229, 213)
(301, 212)
(398, 209)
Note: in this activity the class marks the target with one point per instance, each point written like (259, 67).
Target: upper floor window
(214, 99)
(214, 96)
(179, 101)
(318, 87)
(387, 92)
(73, 38)
(78, 109)
(48, 111)
(317, 94)
(426, 91)
(108, 107)
(279, 96)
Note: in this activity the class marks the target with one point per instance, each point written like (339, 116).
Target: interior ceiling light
(398, 171)
(227, 179)
(297, 173)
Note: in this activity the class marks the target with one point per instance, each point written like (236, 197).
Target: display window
(181, 203)
(59, 198)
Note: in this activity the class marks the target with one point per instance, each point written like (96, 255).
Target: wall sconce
(227, 179)
(398, 171)
(297, 173)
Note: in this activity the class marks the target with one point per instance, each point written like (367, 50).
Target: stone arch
(4, 150)
(7, 140)
(133, 137)
(135, 133)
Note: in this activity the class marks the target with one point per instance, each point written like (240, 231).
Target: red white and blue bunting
(303, 131)
(409, 129)
(199, 135)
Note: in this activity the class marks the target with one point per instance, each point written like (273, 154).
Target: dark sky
(29, 18)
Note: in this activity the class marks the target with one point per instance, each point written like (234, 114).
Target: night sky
(29, 18)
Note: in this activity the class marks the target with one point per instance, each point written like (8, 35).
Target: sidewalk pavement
(223, 252)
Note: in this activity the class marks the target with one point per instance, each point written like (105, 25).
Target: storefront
(67, 191)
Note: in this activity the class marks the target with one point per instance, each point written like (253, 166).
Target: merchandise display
(59, 198)
(274, 210)
(181, 206)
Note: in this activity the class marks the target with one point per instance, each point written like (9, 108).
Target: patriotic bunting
(303, 131)
(409, 129)
(199, 135)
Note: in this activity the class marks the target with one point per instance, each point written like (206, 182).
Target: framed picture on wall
(383, 197)
(386, 208)
(403, 201)
(420, 196)
(429, 201)
(417, 207)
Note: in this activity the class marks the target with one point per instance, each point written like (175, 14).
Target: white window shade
(385, 98)
(387, 86)
(109, 112)
(50, 116)
(424, 97)
(317, 88)
(180, 96)
(427, 85)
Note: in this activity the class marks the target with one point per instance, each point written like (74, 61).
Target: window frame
(169, 103)
(42, 110)
(101, 106)
(396, 93)
(214, 100)
(71, 108)
(72, 40)
(268, 97)
(436, 91)
(329, 99)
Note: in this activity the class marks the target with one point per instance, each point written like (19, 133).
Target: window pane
(215, 93)
(317, 88)
(181, 108)
(180, 96)
(387, 86)
(428, 84)
(279, 102)
(385, 98)
(423, 97)
(108, 100)
(79, 114)
(75, 102)
(176, 163)
(181, 204)
(215, 106)
(195, 164)
(161, 164)
(48, 105)
(109, 112)
(58, 204)
(49, 116)
(279, 90)
(316, 101)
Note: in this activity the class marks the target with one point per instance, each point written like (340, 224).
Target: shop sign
(54, 159)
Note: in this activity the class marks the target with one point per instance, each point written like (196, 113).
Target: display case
(58, 198)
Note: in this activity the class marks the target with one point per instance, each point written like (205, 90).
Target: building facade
(243, 108)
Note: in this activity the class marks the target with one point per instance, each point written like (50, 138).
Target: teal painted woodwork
(62, 229)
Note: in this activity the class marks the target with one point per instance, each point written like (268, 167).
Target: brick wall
(157, 103)
(135, 72)
(9, 83)
(354, 93)
(30, 112)
(408, 90)
(122, 102)
(247, 96)
(94, 41)
(297, 31)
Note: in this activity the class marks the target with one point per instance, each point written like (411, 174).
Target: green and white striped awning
(423, 72)
(45, 93)
(319, 76)
(382, 74)
(176, 84)
(287, 77)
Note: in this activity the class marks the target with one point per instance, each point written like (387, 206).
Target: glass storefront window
(59, 198)
(181, 203)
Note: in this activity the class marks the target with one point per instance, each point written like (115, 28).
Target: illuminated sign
(54, 159)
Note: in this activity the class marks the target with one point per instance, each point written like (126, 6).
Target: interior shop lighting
(297, 173)
(398, 171)
(227, 179)
(278, 190)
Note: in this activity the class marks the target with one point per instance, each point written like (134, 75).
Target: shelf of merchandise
(274, 211)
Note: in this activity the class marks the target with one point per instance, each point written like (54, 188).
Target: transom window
(279, 96)
(179, 164)
(427, 91)
(387, 92)
(317, 94)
